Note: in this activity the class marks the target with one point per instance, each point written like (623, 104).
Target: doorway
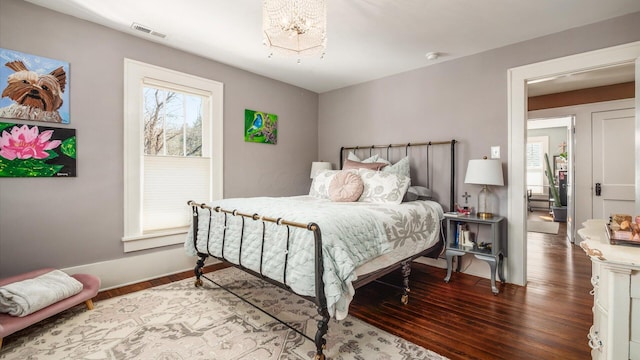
(583, 153)
(549, 198)
(517, 115)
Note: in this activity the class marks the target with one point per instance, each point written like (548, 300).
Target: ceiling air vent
(147, 30)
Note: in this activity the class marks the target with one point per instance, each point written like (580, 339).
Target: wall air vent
(147, 30)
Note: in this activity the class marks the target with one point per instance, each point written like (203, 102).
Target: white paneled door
(613, 147)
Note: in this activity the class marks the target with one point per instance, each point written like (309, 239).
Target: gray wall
(465, 99)
(74, 221)
(68, 222)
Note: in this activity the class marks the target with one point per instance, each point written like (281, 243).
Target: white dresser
(615, 334)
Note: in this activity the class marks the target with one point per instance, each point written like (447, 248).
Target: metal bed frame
(320, 298)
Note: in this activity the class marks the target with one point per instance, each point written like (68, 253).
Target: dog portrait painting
(33, 87)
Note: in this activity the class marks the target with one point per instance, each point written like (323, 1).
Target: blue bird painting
(256, 125)
(260, 127)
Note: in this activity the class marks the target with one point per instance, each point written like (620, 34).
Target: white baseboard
(134, 269)
(439, 263)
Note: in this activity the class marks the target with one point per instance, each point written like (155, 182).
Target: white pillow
(399, 168)
(383, 187)
(353, 157)
(320, 184)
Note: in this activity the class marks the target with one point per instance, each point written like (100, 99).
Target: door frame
(517, 130)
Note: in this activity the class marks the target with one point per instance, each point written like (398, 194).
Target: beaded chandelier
(295, 27)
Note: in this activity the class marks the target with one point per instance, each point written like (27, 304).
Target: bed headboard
(422, 155)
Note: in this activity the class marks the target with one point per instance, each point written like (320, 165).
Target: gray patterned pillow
(383, 187)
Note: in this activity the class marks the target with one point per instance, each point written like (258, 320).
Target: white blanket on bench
(24, 297)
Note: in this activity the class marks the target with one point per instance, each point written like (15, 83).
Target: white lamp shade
(484, 172)
(319, 166)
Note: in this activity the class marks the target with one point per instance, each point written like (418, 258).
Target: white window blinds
(169, 182)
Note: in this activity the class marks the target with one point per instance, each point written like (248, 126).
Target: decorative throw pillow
(346, 186)
(383, 187)
(349, 164)
(418, 193)
(353, 157)
(399, 168)
(320, 184)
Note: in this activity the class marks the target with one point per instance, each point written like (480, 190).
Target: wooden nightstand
(488, 249)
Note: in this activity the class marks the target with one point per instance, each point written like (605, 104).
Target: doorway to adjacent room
(518, 79)
(549, 198)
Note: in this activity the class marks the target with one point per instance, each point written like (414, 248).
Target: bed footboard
(320, 298)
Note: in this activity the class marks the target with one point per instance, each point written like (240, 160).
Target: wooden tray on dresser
(615, 239)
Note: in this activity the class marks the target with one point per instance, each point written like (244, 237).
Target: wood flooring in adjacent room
(547, 319)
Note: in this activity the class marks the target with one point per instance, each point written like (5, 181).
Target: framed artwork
(33, 87)
(260, 127)
(37, 151)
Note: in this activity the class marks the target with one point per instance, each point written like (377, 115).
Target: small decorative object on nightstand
(487, 249)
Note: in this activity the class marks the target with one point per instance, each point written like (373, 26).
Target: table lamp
(319, 166)
(485, 172)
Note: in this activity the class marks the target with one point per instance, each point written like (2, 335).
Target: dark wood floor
(547, 319)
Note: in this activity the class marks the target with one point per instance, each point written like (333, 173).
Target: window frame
(136, 75)
(544, 141)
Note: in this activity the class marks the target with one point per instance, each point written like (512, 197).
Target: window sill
(154, 240)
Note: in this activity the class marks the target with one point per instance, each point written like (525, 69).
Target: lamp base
(486, 203)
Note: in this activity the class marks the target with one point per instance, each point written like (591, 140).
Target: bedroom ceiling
(367, 39)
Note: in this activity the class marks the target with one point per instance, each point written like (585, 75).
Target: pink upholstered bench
(10, 324)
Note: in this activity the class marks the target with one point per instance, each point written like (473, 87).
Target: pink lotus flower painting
(36, 151)
(25, 143)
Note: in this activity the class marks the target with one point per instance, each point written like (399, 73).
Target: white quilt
(352, 234)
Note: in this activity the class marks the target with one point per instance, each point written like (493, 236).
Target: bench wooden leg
(89, 304)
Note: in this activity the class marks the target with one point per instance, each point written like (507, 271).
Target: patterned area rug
(180, 321)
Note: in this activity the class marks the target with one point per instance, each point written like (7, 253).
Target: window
(173, 152)
(537, 146)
